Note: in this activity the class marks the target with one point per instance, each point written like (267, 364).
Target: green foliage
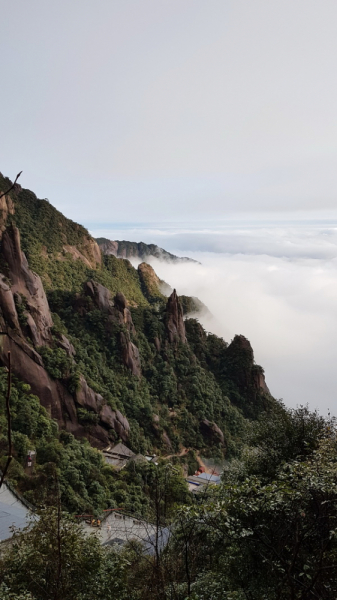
(54, 559)
(57, 362)
(86, 482)
(233, 367)
(274, 540)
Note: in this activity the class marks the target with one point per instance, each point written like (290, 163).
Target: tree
(273, 541)
(55, 560)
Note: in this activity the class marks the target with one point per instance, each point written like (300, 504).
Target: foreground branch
(8, 413)
(12, 186)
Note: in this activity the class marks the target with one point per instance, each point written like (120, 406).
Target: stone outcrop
(118, 314)
(6, 208)
(150, 282)
(93, 252)
(241, 366)
(212, 430)
(100, 295)
(109, 247)
(130, 355)
(28, 284)
(174, 320)
(116, 421)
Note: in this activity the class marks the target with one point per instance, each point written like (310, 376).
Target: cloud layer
(276, 285)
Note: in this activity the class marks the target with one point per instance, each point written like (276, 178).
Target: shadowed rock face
(120, 314)
(241, 368)
(27, 364)
(212, 430)
(100, 295)
(174, 319)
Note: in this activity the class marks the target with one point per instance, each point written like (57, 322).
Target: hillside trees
(55, 560)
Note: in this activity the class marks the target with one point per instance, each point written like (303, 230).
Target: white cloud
(287, 309)
(280, 291)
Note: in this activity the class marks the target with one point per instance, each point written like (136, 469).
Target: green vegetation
(85, 481)
(258, 535)
(268, 532)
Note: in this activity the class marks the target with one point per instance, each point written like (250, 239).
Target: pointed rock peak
(175, 321)
(152, 287)
(241, 343)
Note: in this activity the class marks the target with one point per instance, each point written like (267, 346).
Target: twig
(59, 540)
(9, 426)
(12, 186)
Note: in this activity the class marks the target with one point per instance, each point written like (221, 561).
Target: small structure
(118, 456)
(14, 511)
(198, 483)
(151, 458)
(119, 528)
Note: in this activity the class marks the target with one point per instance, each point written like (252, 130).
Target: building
(119, 528)
(118, 456)
(14, 511)
(198, 483)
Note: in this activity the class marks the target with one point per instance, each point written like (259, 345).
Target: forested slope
(106, 352)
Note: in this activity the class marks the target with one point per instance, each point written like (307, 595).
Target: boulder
(116, 421)
(100, 295)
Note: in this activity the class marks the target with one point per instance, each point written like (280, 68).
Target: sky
(209, 128)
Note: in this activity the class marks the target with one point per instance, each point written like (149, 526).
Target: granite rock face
(119, 314)
(27, 364)
(174, 320)
(29, 285)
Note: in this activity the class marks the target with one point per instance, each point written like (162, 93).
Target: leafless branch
(12, 186)
(9, 425)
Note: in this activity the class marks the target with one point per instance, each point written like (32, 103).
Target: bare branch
(12, 186)
(9, 425)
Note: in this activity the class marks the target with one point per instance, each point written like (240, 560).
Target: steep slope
(108, 355)
(138, 251)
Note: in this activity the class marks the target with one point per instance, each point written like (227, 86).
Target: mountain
(138, 251)
(98, 347)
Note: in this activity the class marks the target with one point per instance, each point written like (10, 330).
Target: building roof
(13, 512)
(118, 456)
(121, 450)
(210, 478)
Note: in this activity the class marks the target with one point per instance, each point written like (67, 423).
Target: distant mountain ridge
(138, 250)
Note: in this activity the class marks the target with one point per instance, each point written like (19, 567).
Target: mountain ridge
(139, 251)
(106, 352)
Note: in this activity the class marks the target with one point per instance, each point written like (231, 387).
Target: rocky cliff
(24, 336)
(104, 349)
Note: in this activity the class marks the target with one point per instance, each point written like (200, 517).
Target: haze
(207, 127)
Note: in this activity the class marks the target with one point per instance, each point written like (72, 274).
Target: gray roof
(121, 450)
(118, 456)
(12, 512)
(209, 477)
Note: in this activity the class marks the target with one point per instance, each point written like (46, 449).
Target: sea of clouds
(274, 282)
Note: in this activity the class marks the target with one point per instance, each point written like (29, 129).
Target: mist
(279, 290)
(287, 309)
